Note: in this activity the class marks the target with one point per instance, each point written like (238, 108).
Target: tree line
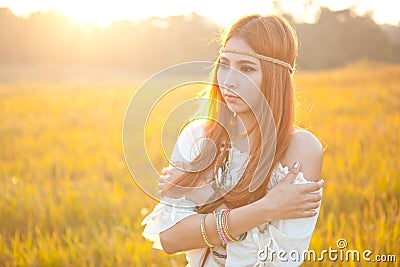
(338, 37)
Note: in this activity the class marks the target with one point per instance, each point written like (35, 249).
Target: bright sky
(223, 12)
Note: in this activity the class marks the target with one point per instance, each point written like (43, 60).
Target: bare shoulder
(307, 149)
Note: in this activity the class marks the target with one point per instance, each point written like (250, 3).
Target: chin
(238, 109)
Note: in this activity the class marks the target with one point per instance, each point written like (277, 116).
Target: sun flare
(103, 13)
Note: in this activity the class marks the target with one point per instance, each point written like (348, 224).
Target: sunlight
(103, 13)
(225, 13)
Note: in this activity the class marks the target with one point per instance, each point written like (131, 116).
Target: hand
(288, 201)
(168, 174)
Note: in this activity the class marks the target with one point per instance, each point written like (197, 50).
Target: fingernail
(296, 164)
(322, 181)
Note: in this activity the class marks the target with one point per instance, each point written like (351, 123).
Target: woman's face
(239, 77)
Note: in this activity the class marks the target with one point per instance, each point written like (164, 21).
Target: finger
(312, 205)
(314, 197)
(168, 169)
(160, 186)
(312, 187)
(305, 213)
(171, 171)
(165, 170)
(166, 179)
(313, 212)
(293, 172)
(310, 213)
(162, 179)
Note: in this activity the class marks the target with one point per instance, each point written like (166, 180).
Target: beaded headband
(252, 54)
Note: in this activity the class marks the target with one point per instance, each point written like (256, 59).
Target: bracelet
(203, 231)
(218, 224)
(221, 222)
(226, 229)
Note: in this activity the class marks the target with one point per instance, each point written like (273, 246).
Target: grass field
(67, 198)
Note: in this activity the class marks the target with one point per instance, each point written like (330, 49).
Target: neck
(243, 128)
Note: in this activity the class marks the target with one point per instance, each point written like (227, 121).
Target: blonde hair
(274, 37)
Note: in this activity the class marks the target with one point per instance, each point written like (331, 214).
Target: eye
(223, 66)
(245, 68)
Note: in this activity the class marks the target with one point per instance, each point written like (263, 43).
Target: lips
(229, 96)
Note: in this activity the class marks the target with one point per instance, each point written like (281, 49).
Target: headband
(252, 54)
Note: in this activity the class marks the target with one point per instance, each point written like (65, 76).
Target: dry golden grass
(67, 199)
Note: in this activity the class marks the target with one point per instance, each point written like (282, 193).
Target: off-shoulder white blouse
(284, 240)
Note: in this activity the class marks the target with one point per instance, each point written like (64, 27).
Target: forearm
(186, 234)
(284, 201)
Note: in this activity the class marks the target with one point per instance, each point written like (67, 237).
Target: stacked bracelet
(203, 230)
(218, 224)
(221, 221)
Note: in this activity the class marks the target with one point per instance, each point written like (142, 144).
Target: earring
(233, 119)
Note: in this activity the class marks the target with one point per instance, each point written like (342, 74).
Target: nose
(230, 79)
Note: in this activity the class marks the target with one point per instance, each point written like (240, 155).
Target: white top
(291, 236)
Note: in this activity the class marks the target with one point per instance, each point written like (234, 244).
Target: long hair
(270, 36)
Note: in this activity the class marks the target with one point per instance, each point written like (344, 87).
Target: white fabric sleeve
(164, 216)
(291, 237)
(172, 210)
(188, 146)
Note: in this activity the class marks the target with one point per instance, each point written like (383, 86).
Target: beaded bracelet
(221, 222)
(225, 226)
(218, 224)
(203, 231)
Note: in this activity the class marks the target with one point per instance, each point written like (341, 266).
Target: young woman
(241, 205)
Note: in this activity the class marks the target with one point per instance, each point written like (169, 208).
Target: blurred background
(128, 37)
(68, 70)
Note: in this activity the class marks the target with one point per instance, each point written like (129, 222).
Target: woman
(240, 205)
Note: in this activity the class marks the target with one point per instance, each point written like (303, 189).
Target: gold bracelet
(225, 228)
(203, 231)
(224, 224)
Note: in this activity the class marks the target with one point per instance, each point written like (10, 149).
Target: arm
(306, 147)
(295, 234)
(284, 201)
(186, 235)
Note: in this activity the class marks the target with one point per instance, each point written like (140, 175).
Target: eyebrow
(242, 61)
